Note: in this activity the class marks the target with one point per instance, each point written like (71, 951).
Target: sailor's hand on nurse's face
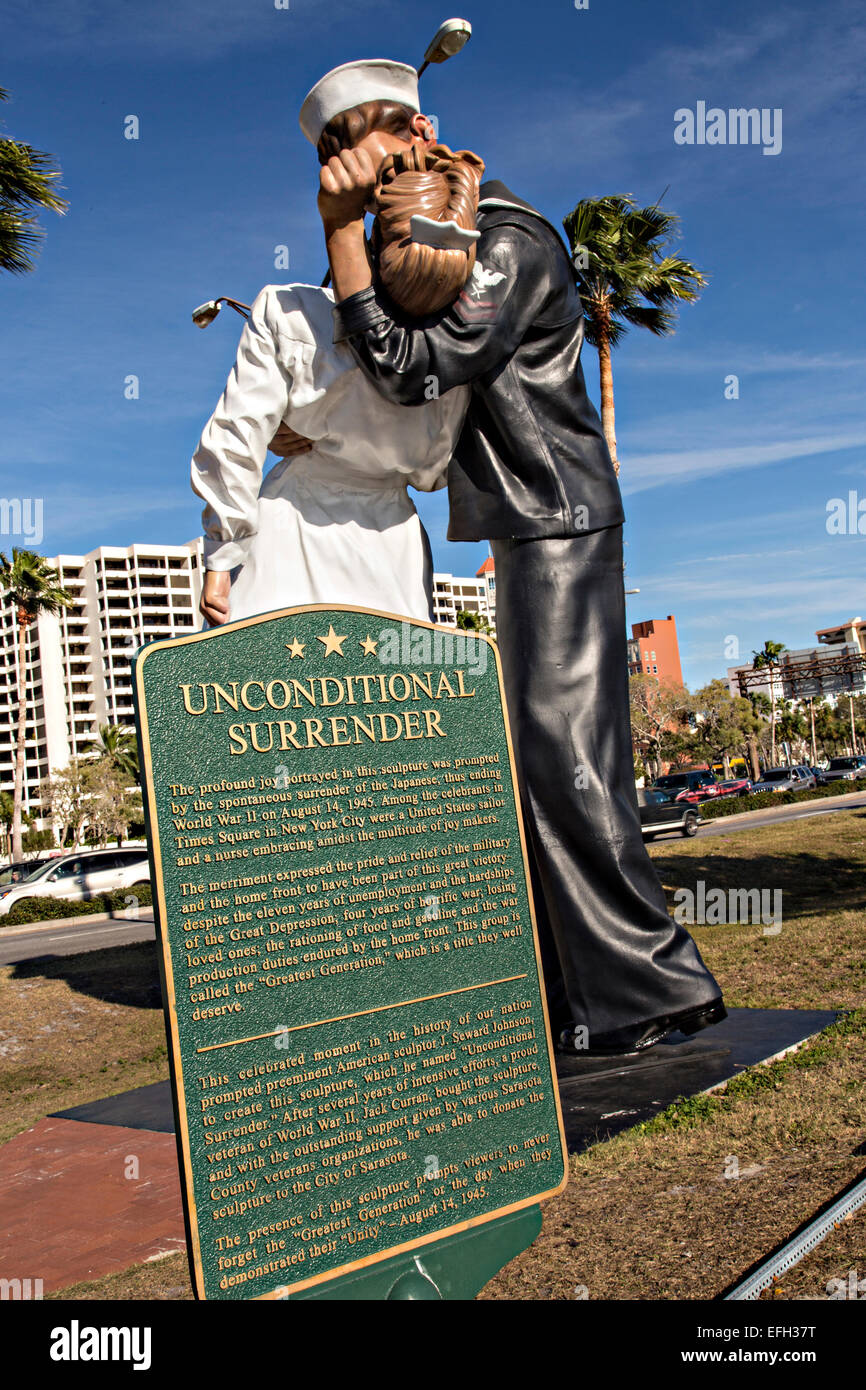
(346, 186)
(287, 443)
(214, 605)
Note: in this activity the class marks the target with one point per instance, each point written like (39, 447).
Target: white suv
(80, 876)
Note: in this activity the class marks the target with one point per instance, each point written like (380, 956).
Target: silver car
(786, 779)
(80, 876)
(843, 770)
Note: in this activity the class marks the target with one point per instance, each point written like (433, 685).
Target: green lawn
(77, 1028)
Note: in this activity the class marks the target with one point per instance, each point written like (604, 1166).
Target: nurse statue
(333, 521)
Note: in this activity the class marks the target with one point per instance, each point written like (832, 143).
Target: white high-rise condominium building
(78, 661)
(453, 594)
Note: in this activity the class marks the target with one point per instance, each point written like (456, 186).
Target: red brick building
(654, 650)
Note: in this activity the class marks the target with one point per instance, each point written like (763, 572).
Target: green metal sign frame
(364, 1084)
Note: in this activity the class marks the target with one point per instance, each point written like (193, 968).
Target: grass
(681, 1207)
(77, 1028)
(817, 960)
(676, 1208)
(165, 1278)
(656, 1212)
(819, 1273)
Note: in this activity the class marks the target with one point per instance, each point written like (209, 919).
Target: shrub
(46, 909)
(37, 839)
(733, 805)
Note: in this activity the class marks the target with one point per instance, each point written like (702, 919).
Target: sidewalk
(81, 1201)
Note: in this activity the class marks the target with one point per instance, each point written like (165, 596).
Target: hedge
(43, 909)
(733, 805)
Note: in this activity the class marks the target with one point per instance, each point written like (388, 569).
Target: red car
(735, 786)
(698, 784)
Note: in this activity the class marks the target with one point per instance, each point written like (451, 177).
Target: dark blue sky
(726, 499)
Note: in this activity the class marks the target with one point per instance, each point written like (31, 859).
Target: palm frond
(27, 176)
(32, 584)
(628, 266)
(28, 184)
(661, 322)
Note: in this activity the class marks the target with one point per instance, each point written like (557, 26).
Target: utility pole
(812, 722)
(853, 731)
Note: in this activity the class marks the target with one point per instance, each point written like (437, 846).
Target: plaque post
(456, 1268)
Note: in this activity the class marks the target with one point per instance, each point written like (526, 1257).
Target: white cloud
(735, 358)
(645, 471)
(182, 30)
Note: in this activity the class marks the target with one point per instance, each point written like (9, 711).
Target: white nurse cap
(372, 79)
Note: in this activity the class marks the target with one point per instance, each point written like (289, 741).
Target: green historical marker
(364, 1085)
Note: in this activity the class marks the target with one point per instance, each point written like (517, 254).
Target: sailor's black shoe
(619, 1042)
(691, 1021)
(639, 1037)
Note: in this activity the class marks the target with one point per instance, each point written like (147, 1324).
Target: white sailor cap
(372, 79)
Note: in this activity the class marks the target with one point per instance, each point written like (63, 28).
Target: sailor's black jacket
(531, 460)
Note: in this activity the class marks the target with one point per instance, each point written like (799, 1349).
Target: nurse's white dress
(337, 524)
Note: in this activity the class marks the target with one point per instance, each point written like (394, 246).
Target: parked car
(843, 770)
(698, 784)
(735, 786)
(785, 779)
(80, 876)
(661, 812)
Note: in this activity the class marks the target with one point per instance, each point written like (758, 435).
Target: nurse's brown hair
(439, 184)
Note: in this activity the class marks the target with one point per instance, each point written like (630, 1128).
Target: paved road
(46, 939)
(731, 825)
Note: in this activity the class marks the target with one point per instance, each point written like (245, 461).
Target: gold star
(369, 646)
(295, 647)
(332, 643)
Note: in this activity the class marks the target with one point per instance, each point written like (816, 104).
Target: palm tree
(473, 622)
(793, 728)
(624, 277)
(768, 659)
(26, 184)
(7, 807)
(827, 727)
(117, 743)
(33, 588)
(760, 709)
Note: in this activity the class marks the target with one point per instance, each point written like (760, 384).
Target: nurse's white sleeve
(227, 466)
